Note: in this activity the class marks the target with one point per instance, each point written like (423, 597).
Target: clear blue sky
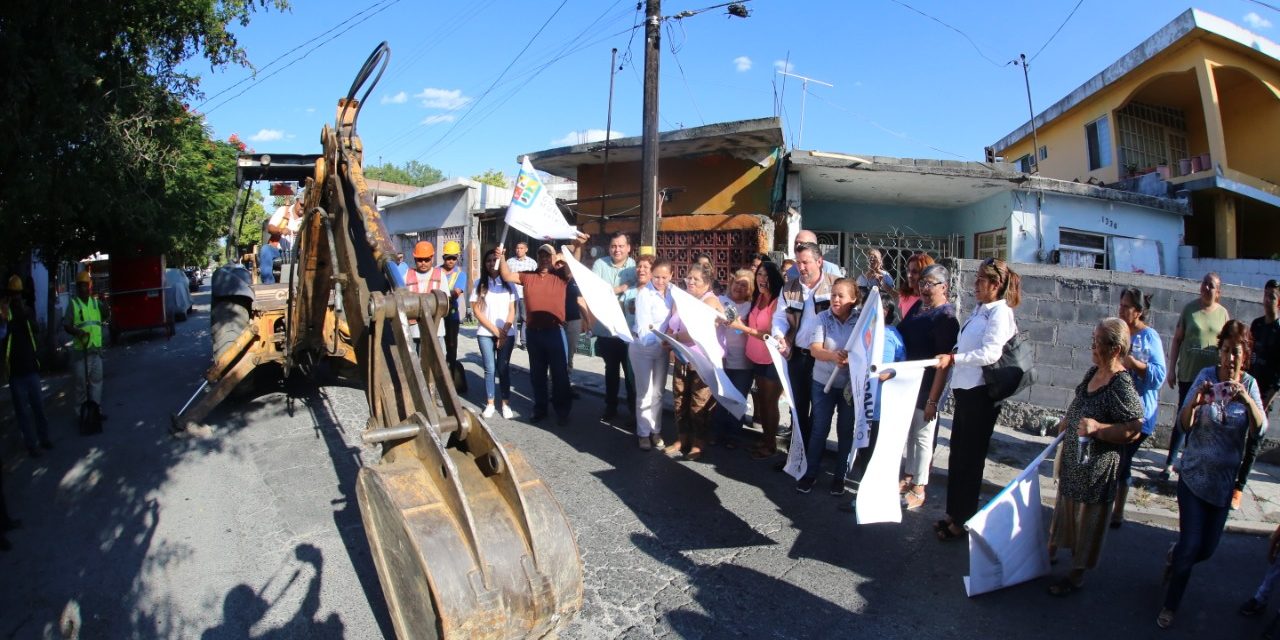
(905, 85)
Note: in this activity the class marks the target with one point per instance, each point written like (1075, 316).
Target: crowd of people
(1226, 374)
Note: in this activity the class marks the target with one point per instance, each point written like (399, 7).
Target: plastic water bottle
(1084, 448)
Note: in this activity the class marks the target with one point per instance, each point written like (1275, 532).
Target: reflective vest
(88, 318)
(8, 345)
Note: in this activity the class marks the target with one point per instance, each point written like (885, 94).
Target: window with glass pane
(991, 244)
(1098, 136)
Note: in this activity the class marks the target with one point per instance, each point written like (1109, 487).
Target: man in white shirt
(802, 299)
(521, 263)
(828, 267)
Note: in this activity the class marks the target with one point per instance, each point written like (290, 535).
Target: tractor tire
(228, 318)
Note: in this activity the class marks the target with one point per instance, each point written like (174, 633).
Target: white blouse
(652, 310)
(981, 342)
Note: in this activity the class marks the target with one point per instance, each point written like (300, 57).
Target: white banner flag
(699, 320)
(878, 499)
(599, 296)
(712, 375)
(533, 210)
(866, 349)
(797, 463)
(1008, 539)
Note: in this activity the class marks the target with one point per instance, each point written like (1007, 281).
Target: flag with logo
(533, 211)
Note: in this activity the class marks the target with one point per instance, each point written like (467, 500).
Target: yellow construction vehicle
(468, 541)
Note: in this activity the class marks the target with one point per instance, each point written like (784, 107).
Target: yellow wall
(713, 184)
(1251, 123)
(1252, 138)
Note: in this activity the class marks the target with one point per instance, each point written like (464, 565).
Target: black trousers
(971, 427)
(1252, 443)
(451, 324)
(800, 371)
(616, 366)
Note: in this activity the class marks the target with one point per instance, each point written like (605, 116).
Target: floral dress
(1094, 482)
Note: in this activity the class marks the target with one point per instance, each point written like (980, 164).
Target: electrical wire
(897, 134)
(300, 58)
(671, 45)
(287, 53)
(1056, 31)
(1264, 4)
(962, 34)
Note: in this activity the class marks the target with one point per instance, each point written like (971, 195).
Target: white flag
(533, 210)
(797, 463)
(878, 499)
(600, 298)
(1008, 540)
(712, 375)
(866, 349)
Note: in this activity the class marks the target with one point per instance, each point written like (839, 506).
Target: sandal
(763, 454)
(1165, 619)
(941, 524)
(914, 498)
(1063, 588)
(945, 534)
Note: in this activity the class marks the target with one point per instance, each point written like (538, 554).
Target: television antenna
(804, 94)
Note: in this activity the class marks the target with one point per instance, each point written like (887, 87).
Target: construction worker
(84, 322)
(267, 258)
(449, 278)
(23, 365)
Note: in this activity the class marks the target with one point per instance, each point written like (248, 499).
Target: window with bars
(991, 244)
(1098, 139)
(1082, 249)
(1151, 135)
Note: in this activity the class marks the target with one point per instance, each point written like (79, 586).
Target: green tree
(493, 177)
(106, 154)
(412, 173)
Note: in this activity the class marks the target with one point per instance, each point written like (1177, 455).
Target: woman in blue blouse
(1146, 366)
(1223, 406)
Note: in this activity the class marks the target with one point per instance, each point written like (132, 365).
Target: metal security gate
(852, 247)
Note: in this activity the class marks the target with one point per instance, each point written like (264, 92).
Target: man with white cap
(545, 291)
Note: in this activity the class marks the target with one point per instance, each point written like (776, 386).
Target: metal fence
(850, 249)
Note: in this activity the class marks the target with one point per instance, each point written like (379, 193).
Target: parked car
(177, 294)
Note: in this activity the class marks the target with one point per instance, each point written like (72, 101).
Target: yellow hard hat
(452, 248)
(15, 284)
(82, 277)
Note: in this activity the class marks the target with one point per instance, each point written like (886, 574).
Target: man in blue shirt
(619, 270)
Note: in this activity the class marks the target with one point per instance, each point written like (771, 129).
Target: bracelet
(931, 402)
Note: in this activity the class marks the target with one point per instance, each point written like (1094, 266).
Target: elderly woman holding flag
(694, 403)
(831, 365)
(1105, 416)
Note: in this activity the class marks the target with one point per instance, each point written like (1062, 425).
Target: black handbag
(1014, 371)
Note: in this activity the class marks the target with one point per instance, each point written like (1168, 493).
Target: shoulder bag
(1013, 372)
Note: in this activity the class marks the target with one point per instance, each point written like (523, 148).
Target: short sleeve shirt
(1095, 481)
(1200, 329)
(544, 295)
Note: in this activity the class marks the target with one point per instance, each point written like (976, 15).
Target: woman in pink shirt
(757, 326)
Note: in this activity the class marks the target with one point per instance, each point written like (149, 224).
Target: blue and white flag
(866, 350)
(533, 211)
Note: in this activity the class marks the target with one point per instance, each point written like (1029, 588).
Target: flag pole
(502, 238)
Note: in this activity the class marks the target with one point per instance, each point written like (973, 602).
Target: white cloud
(311, 109)
(783, 65)
(1256, 21)
(743, 63)
(438, 118)
(583, 137)
(442, 98)
(267, 135)
(399, 98)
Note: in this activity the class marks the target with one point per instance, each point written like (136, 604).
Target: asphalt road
(255, 532)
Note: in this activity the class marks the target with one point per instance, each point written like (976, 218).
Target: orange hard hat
(424, 249)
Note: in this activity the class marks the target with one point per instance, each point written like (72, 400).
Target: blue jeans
(1200, 526)
(723, 423)
(25, 390)
(496, 365)
(1177, 437)
(825, 405)
(547, 351)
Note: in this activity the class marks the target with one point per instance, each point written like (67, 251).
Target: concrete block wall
(1060, 308)
(1247, 273)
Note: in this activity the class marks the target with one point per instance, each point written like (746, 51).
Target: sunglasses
(451, 257)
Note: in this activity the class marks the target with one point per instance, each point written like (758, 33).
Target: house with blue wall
(976, 210)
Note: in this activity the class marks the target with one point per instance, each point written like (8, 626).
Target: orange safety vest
(432, 283)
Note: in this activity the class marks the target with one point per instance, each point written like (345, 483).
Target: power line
(302, 57)
(897, 134)
(672, 45)
(1055, 32)
(1264, 4)
(287, 53)
(962, 34)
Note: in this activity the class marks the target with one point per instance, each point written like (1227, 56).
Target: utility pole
(608, 132)
(649, 138)
(1035, 138)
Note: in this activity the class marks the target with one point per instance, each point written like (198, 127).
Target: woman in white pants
(649, 355)
(929, 328)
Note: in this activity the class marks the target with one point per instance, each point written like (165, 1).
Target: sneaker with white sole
(488, 411)
(657, 441)
(507, 413)
(645, 445)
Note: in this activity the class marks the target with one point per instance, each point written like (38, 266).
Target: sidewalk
(1151, 500)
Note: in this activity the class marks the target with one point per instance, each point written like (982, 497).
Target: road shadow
(254, 613)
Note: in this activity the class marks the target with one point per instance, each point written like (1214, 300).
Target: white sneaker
(657, 441)
(507, 413)
(488, 411)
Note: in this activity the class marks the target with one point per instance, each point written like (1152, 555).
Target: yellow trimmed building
(1193, 111)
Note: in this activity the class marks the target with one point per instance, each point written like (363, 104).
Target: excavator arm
(467, 540)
